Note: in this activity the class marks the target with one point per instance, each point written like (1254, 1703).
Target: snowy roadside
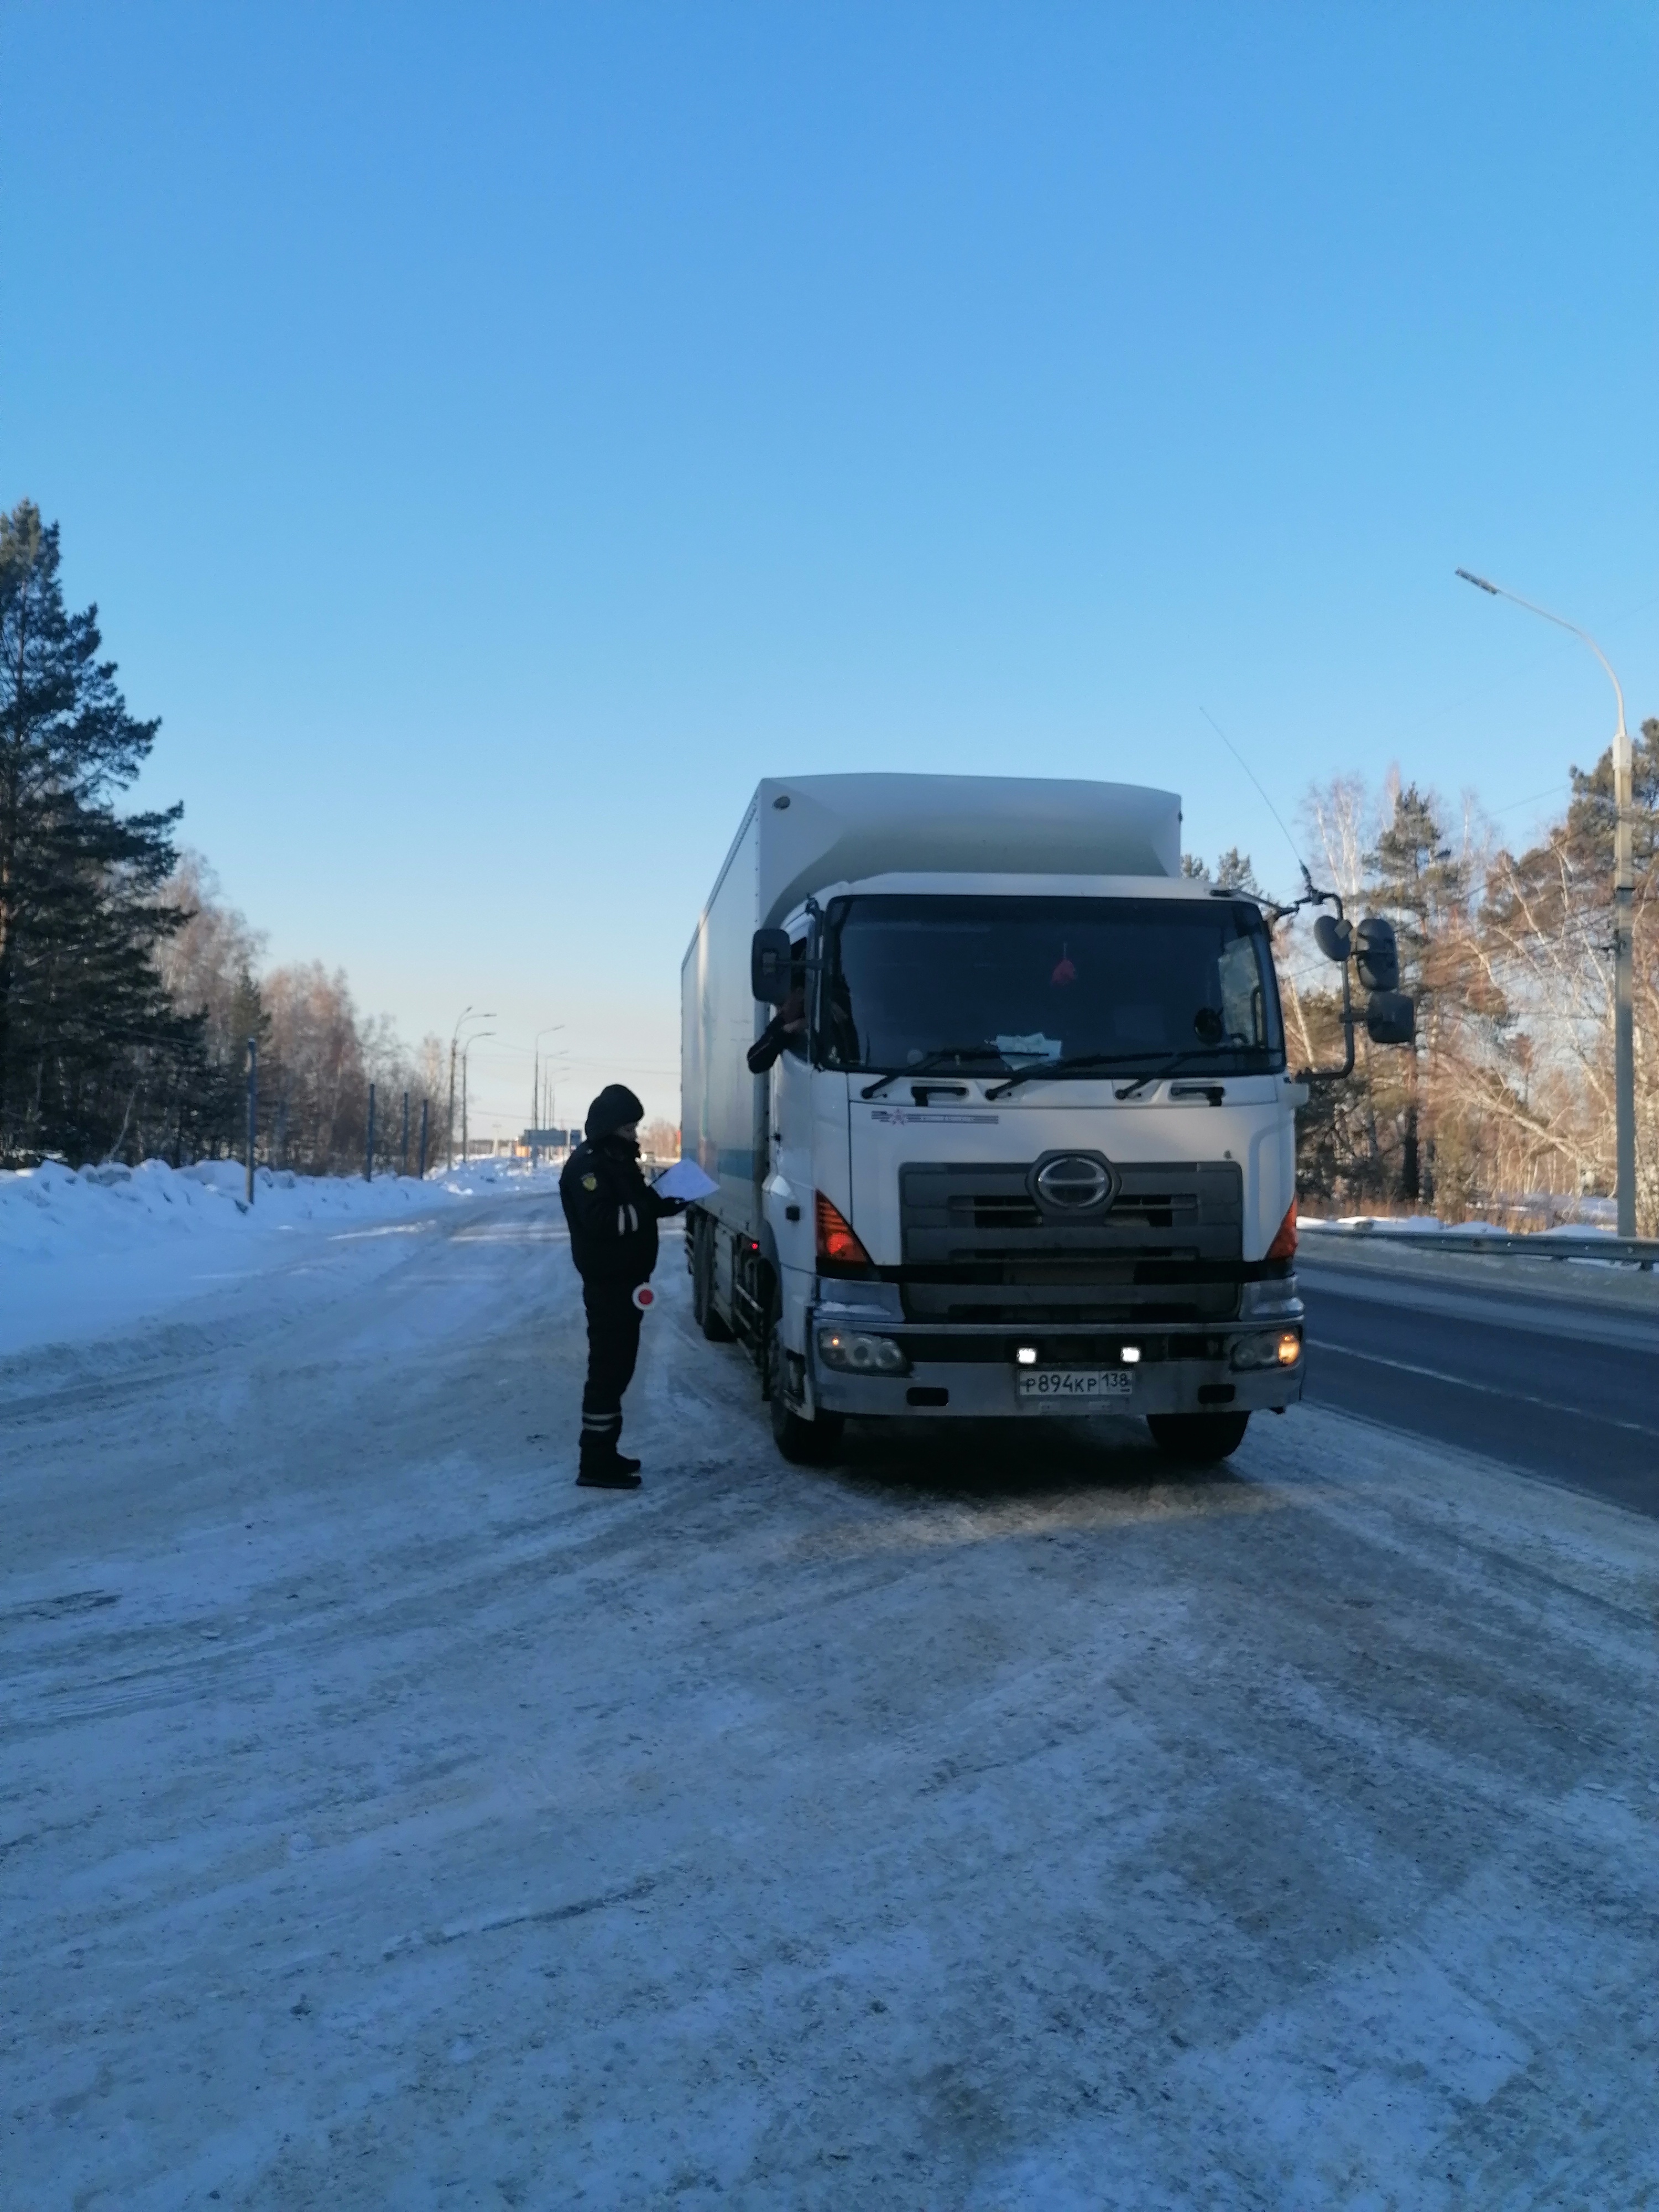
(82, 1254)
(996, 1822)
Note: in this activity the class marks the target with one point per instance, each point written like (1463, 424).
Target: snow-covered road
(995, 1820)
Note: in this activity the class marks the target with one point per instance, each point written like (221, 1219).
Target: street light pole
(1624, 897)
(449, 1127)
(465, 1052)
(253, 1108)
(536, 1085)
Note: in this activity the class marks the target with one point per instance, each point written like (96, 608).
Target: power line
(1509, 805)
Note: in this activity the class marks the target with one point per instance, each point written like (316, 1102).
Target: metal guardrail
(1629, 1251)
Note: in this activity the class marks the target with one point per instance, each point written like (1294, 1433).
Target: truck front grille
(976, 1248)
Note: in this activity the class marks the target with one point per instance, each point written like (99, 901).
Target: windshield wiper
(1176, 1060)
(932, 1059)
(1041, 1067)
(1078, 1061)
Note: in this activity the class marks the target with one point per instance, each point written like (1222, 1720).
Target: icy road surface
(993, 1821)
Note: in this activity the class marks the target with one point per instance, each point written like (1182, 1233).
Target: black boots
(603, 1468)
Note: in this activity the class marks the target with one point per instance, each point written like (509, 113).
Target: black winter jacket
(612, 1211)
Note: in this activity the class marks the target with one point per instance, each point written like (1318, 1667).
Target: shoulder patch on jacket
(590, 1183)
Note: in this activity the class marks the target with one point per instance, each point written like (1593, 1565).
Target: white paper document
(685, 1179)
(1037, 1046)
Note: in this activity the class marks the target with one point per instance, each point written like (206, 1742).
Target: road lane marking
(1487, 1389)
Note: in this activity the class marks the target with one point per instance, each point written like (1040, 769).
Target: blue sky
(494, 437)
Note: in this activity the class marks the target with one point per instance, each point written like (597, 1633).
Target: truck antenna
(1255, 780)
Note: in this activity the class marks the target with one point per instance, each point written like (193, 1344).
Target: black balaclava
(615, 1105)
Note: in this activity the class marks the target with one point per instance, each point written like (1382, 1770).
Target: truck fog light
(851, 1352)
(1026, 1355)
(1282, 1349)
(1131, 1354)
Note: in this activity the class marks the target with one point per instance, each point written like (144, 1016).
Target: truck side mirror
(1335, 939)
(1378, 955)
(1390, 1016)
(768, 965)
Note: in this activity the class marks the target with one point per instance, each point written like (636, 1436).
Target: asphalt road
(1559, 1376)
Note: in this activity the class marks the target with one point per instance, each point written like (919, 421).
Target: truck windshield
(992, 983)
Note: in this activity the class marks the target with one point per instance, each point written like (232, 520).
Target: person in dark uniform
(613, 1214)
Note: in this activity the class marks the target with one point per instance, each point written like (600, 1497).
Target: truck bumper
(1179, 1372)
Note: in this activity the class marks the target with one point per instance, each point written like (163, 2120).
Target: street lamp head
(1479, 582)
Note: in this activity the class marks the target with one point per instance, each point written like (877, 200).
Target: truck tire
(803, 1443)
(1200, 1440)
(703, 1286)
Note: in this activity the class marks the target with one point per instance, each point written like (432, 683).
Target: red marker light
(837, 1243)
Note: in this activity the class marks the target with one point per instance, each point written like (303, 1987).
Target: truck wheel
(804, 1442)
(1200, 1440)
(703, 1287)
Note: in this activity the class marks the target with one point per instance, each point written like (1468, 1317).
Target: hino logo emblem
(1073, 1182)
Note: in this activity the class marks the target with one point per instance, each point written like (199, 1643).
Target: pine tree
(1420, 885)
(1233, 872)
(90, 1046)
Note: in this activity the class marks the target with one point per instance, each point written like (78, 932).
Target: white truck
(1028, 1144)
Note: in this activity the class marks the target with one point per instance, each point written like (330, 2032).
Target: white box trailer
(1032, 1146)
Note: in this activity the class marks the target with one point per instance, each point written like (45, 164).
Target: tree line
(129, 989)
(1508, 1097)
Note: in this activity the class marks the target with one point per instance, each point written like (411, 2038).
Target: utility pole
(536, 1086)
(1624, 896)
(402, 1157)
(449, 1131)
(423, 1107)
(253, 1108)
(449, 1127)
(466, 1054)
(368, 1142)
(1624, 1010)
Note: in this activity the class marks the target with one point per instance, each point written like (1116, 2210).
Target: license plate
(1066, 1388)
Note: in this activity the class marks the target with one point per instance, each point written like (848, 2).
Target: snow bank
(82, 1252)
(1380, 1224)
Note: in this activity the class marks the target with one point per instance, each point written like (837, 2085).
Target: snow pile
(1379, 1224)
(81, 1252)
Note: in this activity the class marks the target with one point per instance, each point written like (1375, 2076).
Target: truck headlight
(1282, 1348)
(854, 1353)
